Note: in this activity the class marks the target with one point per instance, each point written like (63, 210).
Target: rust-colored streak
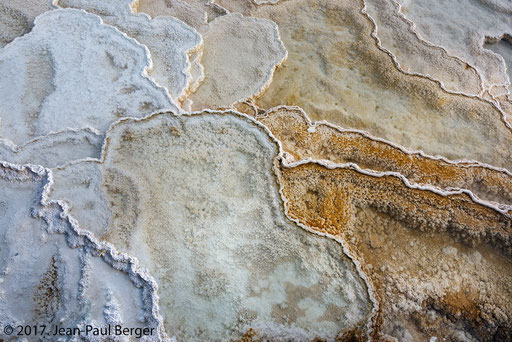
(421, 251)
(324, 142)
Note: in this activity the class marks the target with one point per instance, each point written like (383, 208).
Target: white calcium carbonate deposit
(17, 17)
(190, 13)
(55, 149)
(194, 199)
(51, 271)
(71, 71)
(158, 169)
(415, 55)
(170, 41)
(461, 27)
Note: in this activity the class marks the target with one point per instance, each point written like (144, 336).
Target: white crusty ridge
(72, 71)
(170, 41)
(448, 26)
(54, 149)
(53, 271)
(212, 231)
(417, 56)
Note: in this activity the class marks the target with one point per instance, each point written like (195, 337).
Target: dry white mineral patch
(169, 40)
(72, 71)
(80, 186)
(51, 273)
(196, 13)
(190, 13)
(195, 199)
(102, 8)
(240, 57)
(55, 149)
(263, 2)
(212, 9)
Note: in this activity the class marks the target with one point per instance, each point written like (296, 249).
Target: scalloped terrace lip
(254, 170)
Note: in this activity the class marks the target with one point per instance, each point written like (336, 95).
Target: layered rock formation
(346, 174)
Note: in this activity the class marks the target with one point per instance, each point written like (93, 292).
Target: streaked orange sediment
(419, 249)
(303, 140)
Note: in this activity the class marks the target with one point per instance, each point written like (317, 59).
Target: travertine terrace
(283, 279)
(51, 269)
(302, 140)
(256, 170)
(171, 42)
(466, 38)
(440, 262)
(44, 91)
(337, 71)
(238, 66)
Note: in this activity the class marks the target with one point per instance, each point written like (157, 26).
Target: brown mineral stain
(336, 72)
(290, 126)
(404, 239)
(47, 294)
(247, 337)
(463, 303)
